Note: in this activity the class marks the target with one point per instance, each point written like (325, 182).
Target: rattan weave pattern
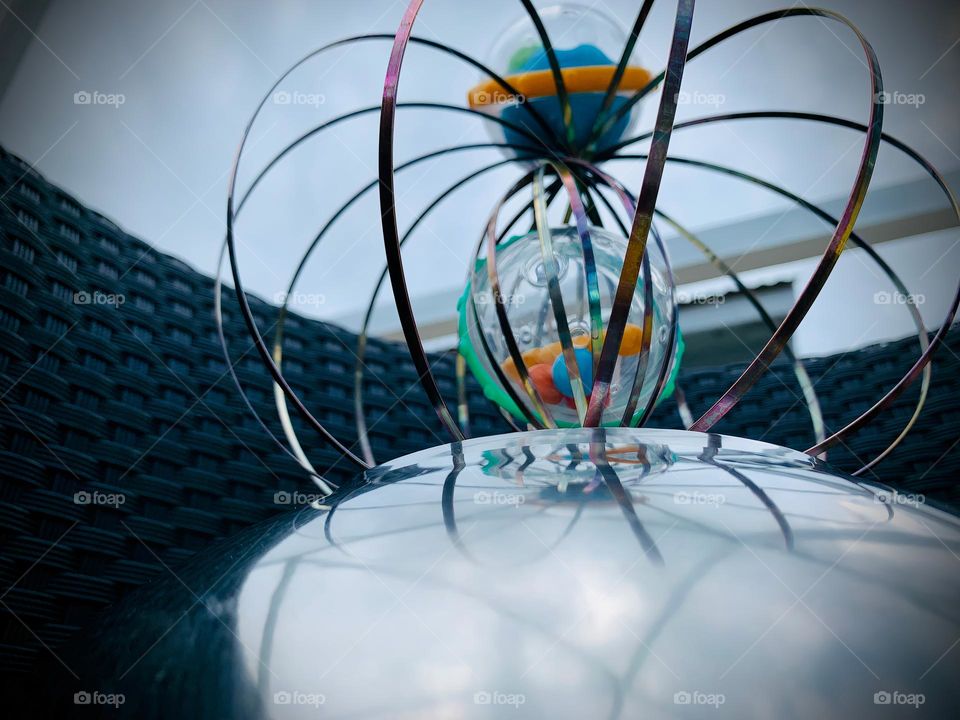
(131, 400)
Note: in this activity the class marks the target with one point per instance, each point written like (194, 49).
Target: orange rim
(540, 83)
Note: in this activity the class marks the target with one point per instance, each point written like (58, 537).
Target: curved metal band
(639, 379)
(551, 270)
(297, 453)
(712, 42)
(299, 458)
(653, 172)
(464, 413)
(363, 336)
(388, 218)
(562, 95)
(860, 243)
(629, 205)
(241, 296)
(534, 422)
(829, 259)
(621, 68)
(280, 397)
(927, 349)
(803, 378)
(545, 416)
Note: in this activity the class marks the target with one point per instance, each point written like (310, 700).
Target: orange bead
(510, 369)
(632, 335)
(542, 378)
(533, 356)
(550, 352)
(583, 341)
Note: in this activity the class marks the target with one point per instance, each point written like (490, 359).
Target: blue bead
(585, 106)
(584, 364)
(583, 55)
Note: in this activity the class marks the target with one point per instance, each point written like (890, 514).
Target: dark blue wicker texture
(133, 399)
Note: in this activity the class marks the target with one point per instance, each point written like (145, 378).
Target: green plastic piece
(518, 61)
(492, 389)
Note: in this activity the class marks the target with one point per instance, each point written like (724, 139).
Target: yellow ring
(539, 83)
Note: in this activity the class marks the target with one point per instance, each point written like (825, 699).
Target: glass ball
(588, 46)
(523, 285)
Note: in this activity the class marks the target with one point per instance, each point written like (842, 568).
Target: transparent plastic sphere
(523, 284)
(569, 26)
(588, 46)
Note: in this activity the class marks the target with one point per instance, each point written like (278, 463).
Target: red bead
(541, 376)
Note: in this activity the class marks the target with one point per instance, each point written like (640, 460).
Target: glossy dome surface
(684, 575)
(555, 574)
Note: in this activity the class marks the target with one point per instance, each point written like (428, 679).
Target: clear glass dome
(588, 46)
(523, 283)
(581, 35)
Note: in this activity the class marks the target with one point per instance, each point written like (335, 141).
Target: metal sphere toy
(575, 324)
(568, 320)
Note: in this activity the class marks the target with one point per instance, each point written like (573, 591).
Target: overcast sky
(190, 73)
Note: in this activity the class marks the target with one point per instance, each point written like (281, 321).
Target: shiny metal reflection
(606, 574)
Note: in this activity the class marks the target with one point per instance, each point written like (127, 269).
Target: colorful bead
(584, 364)
(632, 335)
(542, 378)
